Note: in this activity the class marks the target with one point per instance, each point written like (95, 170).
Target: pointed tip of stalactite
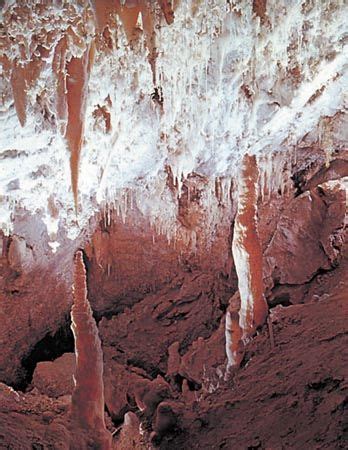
(76, 204)
(74, 182)
(22, 121)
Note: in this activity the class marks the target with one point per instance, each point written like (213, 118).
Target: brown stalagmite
(247, 251)
(87, 404)
(76, 85)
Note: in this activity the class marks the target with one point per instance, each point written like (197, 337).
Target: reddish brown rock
(33, 420)
(313, 167)
(168, 417)
(119, 382)
(55, 378)
(336, 169)
(187, 309)
(128, 259)
(260, 9)
(130, 435)
(308, 237)
(174, 360)
(148, 394)
(35, 297)
(283, 398)
(23, 77)
(204, 362)
(20, 255)
(125, 262)
(187, 316)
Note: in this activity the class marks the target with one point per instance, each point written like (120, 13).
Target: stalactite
(87, 407)
(130, 436)
(128, 14)
(24, 76)
(168, 10)
(260, 8)
(59, 69)
(147, 12)
(76, 85)
(19, 93)
(129, 18)
(247, 251)
(103, 9)
(70, 52)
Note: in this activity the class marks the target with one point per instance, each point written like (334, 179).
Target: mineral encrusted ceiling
(101, 102)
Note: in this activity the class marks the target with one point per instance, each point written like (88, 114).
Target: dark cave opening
(49, 348)
(280, 299)
(192, 385)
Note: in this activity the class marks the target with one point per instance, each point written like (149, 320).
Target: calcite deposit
(173, 224)
(87, 402)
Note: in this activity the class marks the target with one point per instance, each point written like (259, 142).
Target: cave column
(247, 252)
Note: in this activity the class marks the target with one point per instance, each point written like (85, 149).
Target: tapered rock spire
(87, 408)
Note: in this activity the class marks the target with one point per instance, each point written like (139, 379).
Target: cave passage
(49, 348)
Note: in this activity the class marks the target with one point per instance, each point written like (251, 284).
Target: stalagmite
(233, 335)
(247, 251)
(87, 404)
(130, 435)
